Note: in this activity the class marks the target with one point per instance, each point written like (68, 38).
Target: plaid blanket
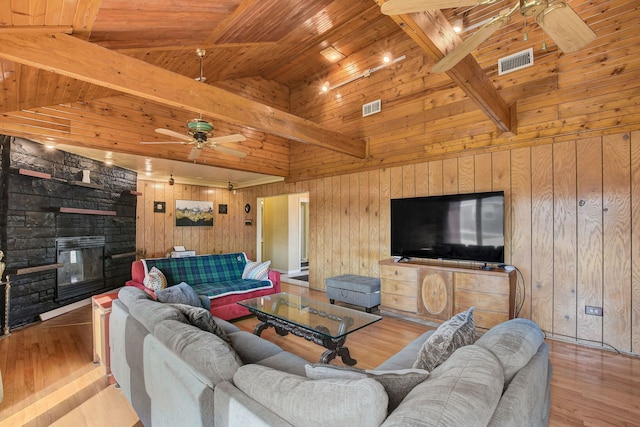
(211, 275)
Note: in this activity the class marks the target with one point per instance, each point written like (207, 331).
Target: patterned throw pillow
(155, 280)
(256, 270)
(450, 336)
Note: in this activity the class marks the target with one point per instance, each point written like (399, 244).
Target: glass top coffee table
(325, 324)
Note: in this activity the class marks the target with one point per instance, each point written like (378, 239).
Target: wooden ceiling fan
(199, 131)
(199, 137)
(556, 18)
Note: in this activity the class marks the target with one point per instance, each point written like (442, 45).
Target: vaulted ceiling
(104, 74)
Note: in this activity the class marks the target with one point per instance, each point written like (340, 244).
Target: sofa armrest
(274, 276)
(235, 408)
(137, 271)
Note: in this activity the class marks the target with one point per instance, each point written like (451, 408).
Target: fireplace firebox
(83, 266)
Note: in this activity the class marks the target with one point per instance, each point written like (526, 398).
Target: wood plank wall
(572, 225)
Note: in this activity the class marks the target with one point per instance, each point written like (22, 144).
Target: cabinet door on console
(435, 297)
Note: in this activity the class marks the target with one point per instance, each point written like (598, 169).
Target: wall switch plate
(593, 311)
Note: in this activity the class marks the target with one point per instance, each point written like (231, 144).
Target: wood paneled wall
(572, 225)
(157, 232)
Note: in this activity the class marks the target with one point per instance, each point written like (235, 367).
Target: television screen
(466, 227)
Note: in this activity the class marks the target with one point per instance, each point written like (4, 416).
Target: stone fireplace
(64, 239)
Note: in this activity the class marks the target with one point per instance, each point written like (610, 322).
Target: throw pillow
(397, 384)
(155, 280)
(256, 270)
(450, 336)
(202, 319)
(304, 402)
(181, 293)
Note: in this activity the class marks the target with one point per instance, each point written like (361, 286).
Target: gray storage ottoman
(353, 289)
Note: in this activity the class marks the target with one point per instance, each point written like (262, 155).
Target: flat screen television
(466, 227)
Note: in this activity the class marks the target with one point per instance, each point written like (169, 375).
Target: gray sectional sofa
(175, 373)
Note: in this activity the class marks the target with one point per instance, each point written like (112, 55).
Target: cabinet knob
(395, 273)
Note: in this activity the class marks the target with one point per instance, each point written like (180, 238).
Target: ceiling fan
(556, 18)
(199, 132)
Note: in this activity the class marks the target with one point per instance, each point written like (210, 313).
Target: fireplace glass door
(83, 266)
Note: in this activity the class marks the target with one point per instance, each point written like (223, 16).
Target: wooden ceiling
(106, 73)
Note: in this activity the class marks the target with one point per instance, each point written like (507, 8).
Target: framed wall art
(159, 207)
(193, 213)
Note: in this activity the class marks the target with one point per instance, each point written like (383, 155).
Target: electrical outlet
(593, 311)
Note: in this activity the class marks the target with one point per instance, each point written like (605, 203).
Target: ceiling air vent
(514, 62)
(371, 108)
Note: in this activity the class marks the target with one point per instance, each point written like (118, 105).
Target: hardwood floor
(49, 377)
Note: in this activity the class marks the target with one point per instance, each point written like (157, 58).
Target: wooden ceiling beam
(433, 33)
(78, 59)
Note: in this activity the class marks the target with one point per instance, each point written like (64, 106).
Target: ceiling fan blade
(228, 138)
(398, 7)
(565, 27)
(174, 134)
(230, 151)
(195, 153)
(162, 142)
(475, 40)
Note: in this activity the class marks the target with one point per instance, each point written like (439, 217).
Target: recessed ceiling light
(332, 54)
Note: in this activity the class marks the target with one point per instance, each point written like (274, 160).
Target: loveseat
(175, 373)
(218, 277)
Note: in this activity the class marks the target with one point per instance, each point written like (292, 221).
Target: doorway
(282, 228)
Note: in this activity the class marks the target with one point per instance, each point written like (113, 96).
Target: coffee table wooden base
(335, 347)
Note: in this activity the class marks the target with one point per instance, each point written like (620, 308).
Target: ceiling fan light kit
(556, 18)
(199, 129)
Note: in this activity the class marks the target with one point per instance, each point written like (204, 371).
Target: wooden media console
(437, 292)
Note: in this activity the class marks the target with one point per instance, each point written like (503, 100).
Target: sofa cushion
(251, 348)
(150, 313)
(514, 343)
(181, 293)
(231, 287)
(526, 400)
(463, 391)
(202, 319)
(305, 402)
(196, 270)
(155, 280)
(397, 384)
(204, 352)
(405, 358)
(285, 362)
(451, 335)
(226, 326)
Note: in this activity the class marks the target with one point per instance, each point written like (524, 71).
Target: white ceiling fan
(556, 18)
(199, 132)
